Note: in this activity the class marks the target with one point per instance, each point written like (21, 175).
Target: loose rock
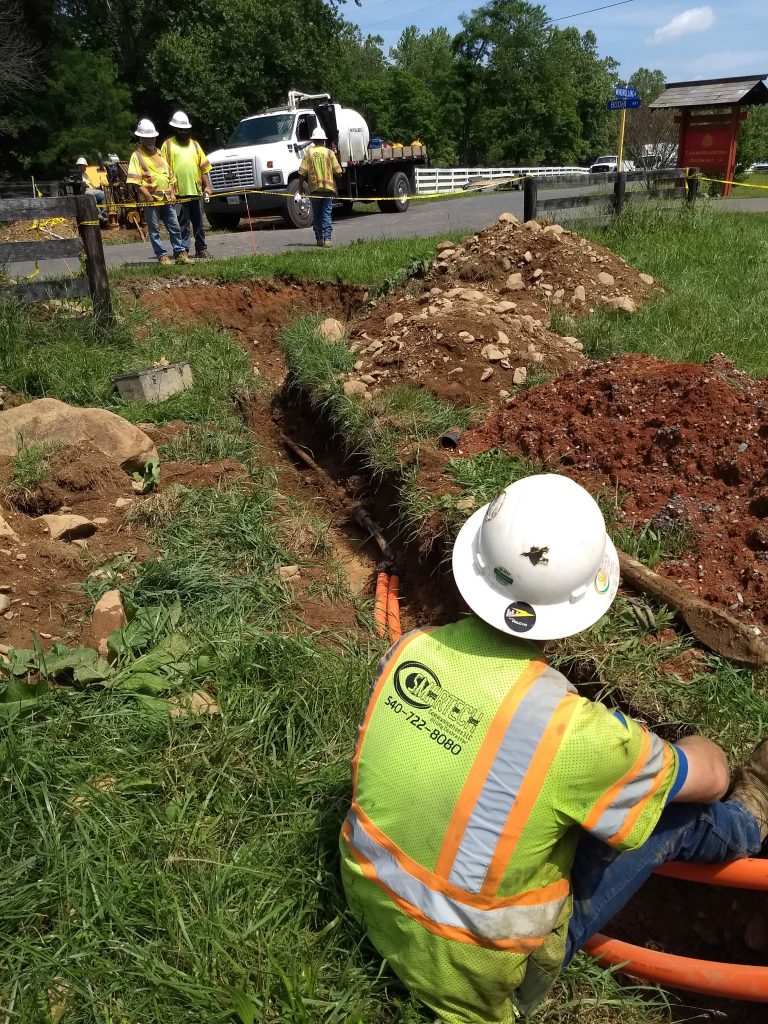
(519, 375)
(68, 527)
(331, 330)
(394, 319)
(354, 387)
(108, 615)
(606, 279)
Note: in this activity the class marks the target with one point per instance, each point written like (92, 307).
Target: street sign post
(626, 99)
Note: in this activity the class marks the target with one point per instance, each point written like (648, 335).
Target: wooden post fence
(530, 196)
(95, 285)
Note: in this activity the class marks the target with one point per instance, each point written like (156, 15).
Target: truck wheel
(399, 188)
(223, 221)
(296, 215)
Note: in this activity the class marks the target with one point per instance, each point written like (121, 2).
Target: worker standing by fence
(498, 819)
(149, 171)
(320, 168)
(190, 167)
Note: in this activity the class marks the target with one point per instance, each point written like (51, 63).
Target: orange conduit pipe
(729, 981)
(393, 609)
(380, 605)
(749, 873)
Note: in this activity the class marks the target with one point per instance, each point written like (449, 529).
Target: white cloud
(696, 19)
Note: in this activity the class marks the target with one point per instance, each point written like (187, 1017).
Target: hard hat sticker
(519, 617)
(495, 506)
(607, 577)
(503, 575)
(602, 581)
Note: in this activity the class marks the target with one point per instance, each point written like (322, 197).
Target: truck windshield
(270, 128)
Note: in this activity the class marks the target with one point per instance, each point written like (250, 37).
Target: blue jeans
(188, 212)
(167, 214)
(322, 217)
(603, 880)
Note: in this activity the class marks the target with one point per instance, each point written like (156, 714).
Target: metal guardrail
(451, 179)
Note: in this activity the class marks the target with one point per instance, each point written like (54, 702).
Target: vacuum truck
(265, 150)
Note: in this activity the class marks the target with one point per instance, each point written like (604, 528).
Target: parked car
(609, 164)
(760, 167)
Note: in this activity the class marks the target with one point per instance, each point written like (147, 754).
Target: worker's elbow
(708, 776)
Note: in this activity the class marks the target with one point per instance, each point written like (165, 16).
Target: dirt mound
(482, 325)
(686, 443)
(253, 311)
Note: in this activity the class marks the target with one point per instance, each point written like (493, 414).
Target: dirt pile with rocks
(482, 325)
(685, 444)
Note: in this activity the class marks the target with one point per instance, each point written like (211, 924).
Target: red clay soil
(252, 311)
(42, 576)
(685, 443)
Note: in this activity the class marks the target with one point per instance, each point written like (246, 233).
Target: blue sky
(687, 39)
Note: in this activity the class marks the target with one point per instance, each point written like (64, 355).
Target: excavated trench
(718, 924)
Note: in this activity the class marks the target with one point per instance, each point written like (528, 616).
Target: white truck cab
(264, 152)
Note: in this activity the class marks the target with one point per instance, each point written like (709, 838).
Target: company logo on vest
(416, 685)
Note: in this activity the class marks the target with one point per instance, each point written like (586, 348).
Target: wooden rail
(684, 186)
(96, 282)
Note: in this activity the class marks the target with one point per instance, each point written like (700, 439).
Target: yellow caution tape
(291, 195)
(724, 181)
(34, 273)
(35, 225)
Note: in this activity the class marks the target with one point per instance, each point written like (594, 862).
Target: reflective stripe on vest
(614, 816)
(509, 767)
(150, 172)
(518, 928)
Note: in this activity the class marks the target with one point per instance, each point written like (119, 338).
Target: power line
(592, 10)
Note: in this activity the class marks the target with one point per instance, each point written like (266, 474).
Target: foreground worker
(149, 171)
(498, 819)
(319, 169)
(190, 167)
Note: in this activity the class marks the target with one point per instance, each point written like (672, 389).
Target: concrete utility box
(154, 384)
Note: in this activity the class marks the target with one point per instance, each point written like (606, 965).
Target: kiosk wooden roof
(744, 91)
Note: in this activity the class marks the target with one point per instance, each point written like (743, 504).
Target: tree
(651, 135)
(531, 92)
(85, 109)
(753, 139)
(19, 68)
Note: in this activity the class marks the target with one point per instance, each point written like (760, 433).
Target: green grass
(29, 467)
(382, 433)
(713, 266)
(367, 263)
(745, 192)
(71, 359)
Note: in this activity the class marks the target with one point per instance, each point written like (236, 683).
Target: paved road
(471, 213)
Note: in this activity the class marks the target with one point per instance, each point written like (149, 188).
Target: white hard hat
(536, 561)
(81, 162)
(318, 134)
(145, 129)
(180, 120)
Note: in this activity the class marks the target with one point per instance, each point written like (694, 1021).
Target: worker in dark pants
(190, 165)
(320, 168)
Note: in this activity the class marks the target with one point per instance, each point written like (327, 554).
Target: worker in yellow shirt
(320, 168)
(149, 171)
(190, 167)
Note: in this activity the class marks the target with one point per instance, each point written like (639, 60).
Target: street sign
(630, 104)
(623, 93)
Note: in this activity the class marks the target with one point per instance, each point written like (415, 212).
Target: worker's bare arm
(708, 774)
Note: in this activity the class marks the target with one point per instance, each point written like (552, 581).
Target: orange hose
(393, 609)
(380, 606)
(749, 873)
(729, 981)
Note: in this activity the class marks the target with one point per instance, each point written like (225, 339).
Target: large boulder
(47, 419)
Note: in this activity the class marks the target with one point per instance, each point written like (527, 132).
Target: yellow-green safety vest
(473, 763)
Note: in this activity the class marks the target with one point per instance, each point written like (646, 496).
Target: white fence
(449, 179)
